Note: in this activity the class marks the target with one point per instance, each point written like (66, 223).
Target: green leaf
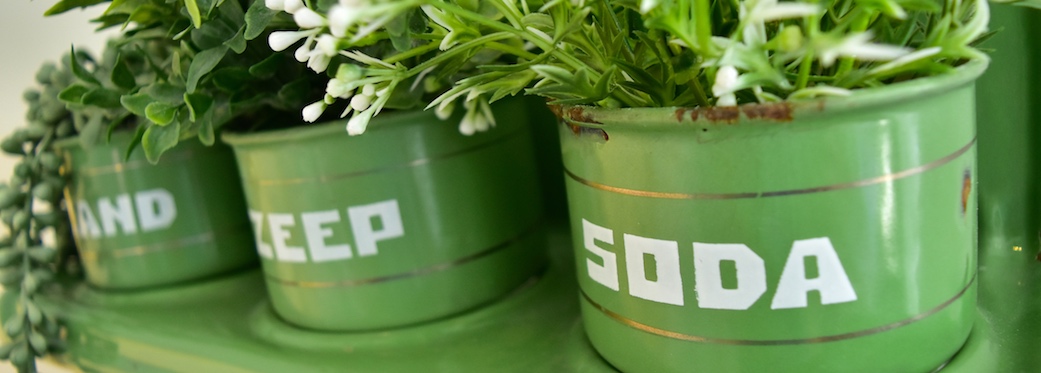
(136, 103)
(80, 71)
(198, 105)
(73, 94)
(139, 133)
(168, 93)
(161, 113)
(268, 67)
(114, 124)
(257, 18)
(121, 75)
(193, 11)
(206, 135)
(237, 43)
(203, 63)
(91, 132)
(67, 5)
(232, 79)
(295, 91)
(102, 97)
(159, 139)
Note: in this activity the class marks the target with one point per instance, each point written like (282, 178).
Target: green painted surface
(1006, 338)
(227, 325)
(886, 176)
(451, 219)
(139, 225)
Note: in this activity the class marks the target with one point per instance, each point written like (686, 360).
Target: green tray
(225, 324)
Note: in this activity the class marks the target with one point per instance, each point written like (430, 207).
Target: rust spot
(680, 113)
(557, 110)
(966, 190)
(1038, 257)
(693, 115)
(727, 114)
(577, 113)
(579, 131)
(778, 112)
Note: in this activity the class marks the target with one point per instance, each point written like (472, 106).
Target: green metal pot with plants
(752, 185)
(425, 215)
(139, 225)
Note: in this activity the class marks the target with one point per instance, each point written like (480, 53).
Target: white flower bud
(368, 89)
(726, 81)
(307, 18)
(339, 88)
(357, 124)
(302, 54)
(275, 4)
(342, 18)
(313, 111)
(361, 102)
(318, 62)
(291, 6)
(466, 126)
(328, 45)
(648, 5)
(280, 40)
(444, 110)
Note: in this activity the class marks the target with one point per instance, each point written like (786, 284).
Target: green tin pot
(827, 235)
(409, 222)
(139, 225)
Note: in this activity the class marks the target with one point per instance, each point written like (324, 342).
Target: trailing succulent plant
(30, 209)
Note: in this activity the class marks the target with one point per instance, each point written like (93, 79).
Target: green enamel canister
(409, 222)
(827, 235)
(139, 225)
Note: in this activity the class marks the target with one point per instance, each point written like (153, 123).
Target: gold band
(413, 163)
(854, 184)
(416, 272)
(142, 250)
(774, 342)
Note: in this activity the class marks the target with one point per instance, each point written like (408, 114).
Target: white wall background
(27, 39)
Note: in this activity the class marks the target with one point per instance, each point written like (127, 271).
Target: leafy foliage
(654, 53)
(200, 68)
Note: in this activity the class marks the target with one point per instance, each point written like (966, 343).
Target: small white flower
(318, 62)
(771, 10)
(361, 102)
(357, 124)
(291, 6)
(279, 5)
(328, 45)
(726, 80)
(339, 88)
(444, 111)
(724, 87)
(368, 89)
(307, 18)
(280, 40)
(313, 111)
(342, 17)
(467, 126)
(648, 5)
(858, 46)
(303, 53)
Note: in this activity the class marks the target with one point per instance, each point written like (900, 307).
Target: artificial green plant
(656, 53)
